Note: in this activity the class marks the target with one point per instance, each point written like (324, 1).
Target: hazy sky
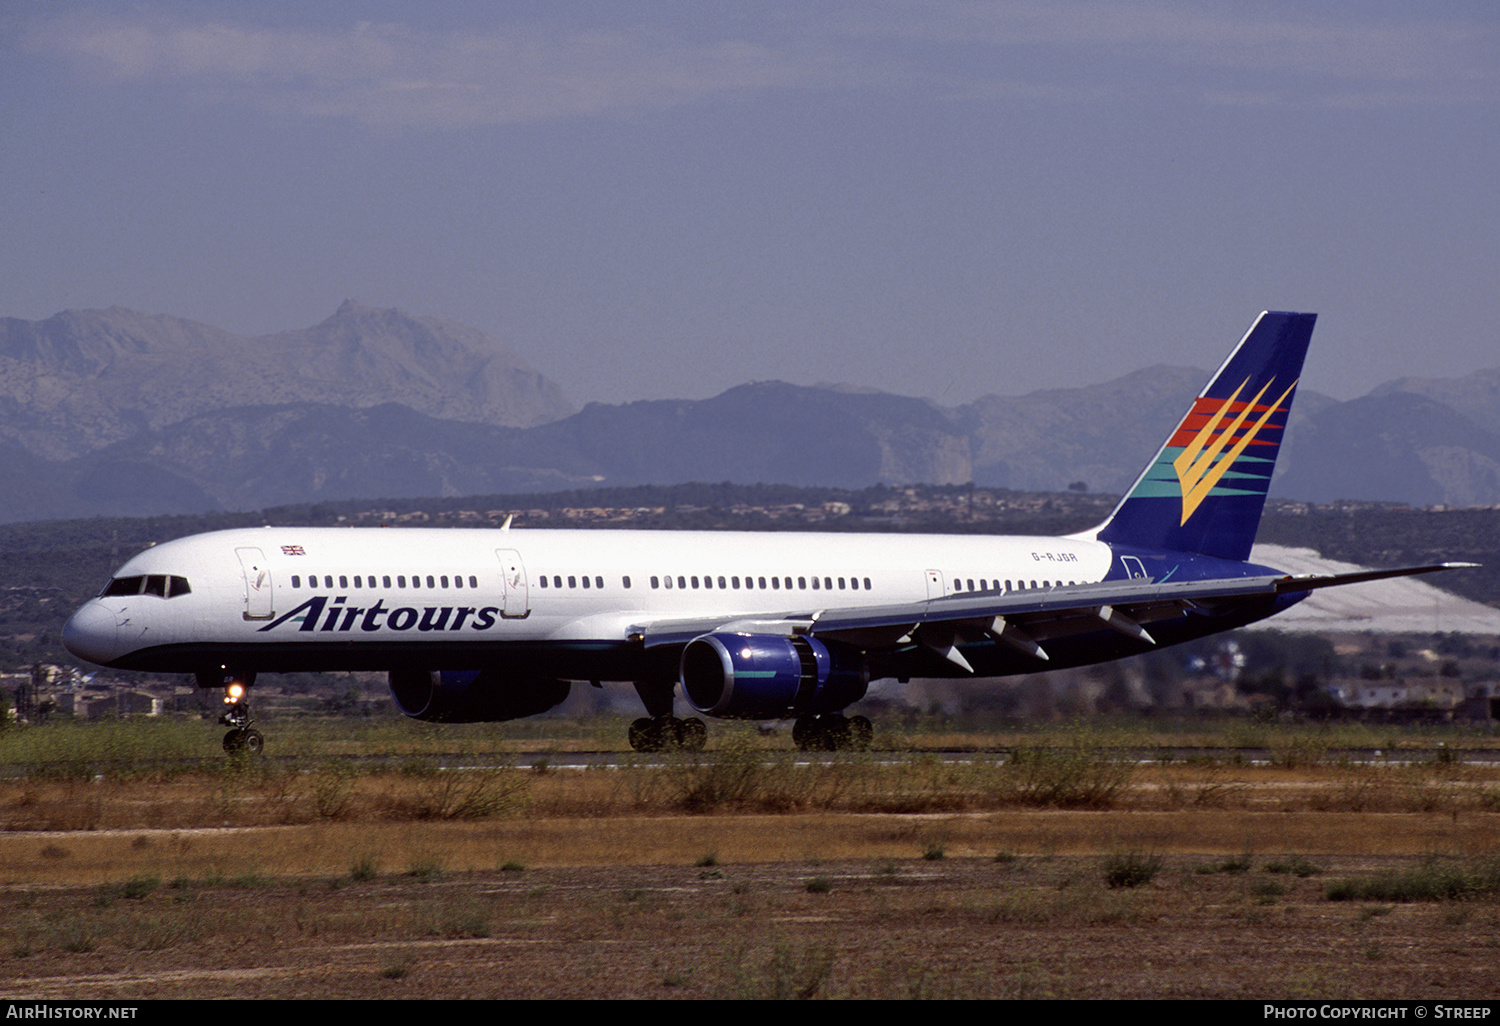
(943, 198)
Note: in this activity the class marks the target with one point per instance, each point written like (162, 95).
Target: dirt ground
(928, 924)
(385, 885)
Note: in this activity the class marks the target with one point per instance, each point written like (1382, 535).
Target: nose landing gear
(241, 737)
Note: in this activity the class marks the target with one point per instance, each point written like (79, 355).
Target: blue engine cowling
(472, 696)
(767, 676)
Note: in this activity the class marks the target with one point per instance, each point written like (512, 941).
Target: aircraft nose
(91, 633)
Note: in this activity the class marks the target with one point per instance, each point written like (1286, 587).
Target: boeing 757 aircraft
(498, 624)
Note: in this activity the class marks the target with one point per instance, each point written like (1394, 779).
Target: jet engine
(472, 696)
(768, 676)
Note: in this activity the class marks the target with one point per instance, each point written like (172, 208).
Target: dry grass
(738, 780)
(324, 848)
(742, 875)
(1037, 927)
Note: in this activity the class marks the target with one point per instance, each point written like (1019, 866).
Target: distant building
(97, 705)
(1482, 704)
(1422, 698)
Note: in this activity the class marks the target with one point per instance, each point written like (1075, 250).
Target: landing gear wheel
(836, 733)
(861, 733)
(644, 737)
(692, 736)
(666, 733)
(833, 732)
(815, 733)
(805, 734)
(244, 739)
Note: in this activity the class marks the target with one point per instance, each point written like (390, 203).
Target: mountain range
(113, 412)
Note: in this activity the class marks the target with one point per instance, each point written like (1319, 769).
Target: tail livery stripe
(1198, 471)
(1205, 490)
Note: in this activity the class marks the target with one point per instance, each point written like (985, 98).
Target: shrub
(1434, 880)
(1078, 775)
(1131, 869)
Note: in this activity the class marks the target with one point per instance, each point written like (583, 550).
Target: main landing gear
(668, 733)
(833, 732)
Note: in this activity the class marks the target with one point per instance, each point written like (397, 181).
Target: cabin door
(513, 575)
(257, 584)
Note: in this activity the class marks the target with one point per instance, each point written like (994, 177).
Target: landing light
(233, 693)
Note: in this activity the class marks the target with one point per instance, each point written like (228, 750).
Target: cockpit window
(123, 586)
(161, 585)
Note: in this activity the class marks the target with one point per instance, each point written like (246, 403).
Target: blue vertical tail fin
(1206, 488)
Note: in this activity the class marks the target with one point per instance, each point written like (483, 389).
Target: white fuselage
(330, 589)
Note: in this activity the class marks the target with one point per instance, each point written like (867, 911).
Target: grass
(1131, 869)
(963, 927)
(1436, 879)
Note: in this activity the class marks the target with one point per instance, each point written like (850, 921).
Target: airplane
(499, 623)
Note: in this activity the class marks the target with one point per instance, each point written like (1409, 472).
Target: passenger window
(599, 582)
(296, 581)
(400, 580)
(473, 581)
(572, 581)
(343, 581)
(443, 580)
(542, 580)
(867, 584)
(385, 582)
(585, 582)
(625, 582)
(429, 581)
(656, 581)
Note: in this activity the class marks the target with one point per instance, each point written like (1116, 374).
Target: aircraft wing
(1023, 619)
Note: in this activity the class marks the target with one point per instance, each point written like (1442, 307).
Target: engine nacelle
(472, 696)
(768, 676)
